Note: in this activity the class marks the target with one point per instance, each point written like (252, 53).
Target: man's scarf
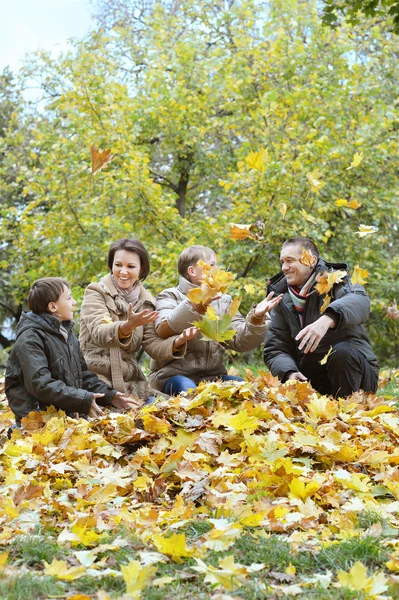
(298, 296)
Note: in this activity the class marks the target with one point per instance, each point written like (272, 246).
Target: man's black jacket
(349, 307)
(44, 369)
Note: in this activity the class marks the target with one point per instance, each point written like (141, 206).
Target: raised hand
(125, 403)
(201, 308)
(267, 304)
(95, 410)
(137, 319)
(185, 336)
(312, 334)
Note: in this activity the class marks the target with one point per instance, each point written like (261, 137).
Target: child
(46, 366)
(202, 359)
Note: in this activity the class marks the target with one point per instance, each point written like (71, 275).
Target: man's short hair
(304, 242)
(45, 290)
(130, 245)
(190, 257)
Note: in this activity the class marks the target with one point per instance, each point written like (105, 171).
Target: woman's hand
(95, 410)
(185, 336)
(136, 320)
(267, 305)
(125, 403)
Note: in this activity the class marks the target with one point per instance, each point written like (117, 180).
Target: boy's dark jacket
(44, 369)
(349, 307)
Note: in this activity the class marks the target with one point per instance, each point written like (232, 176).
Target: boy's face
(63, 307)
(195, 273)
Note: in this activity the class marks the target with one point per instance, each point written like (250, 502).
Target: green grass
(30, 587)
(33, 550)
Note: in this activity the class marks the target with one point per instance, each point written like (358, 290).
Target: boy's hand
(125, 403)
(201, 308)
(95, 410)
(185, 336)
(267, 305)
(136, 319)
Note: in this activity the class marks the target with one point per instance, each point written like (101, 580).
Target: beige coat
(201, 359)
(111, 358)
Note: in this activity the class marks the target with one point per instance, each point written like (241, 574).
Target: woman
(117, 317)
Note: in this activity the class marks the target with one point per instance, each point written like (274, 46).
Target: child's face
(195, 273)
(63, 307)
(126, 268)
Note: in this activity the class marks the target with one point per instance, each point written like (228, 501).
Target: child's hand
(124, 403)
(137, 319)
(185, 336)
(95, 410)
(201, 308)
(267, 305)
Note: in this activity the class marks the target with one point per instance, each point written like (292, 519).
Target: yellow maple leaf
(324, 360)
(257, 160)
(326, 303)
(60, 569)
(212, 314)
(341, 202)
(87, 536)
(354, 204)
(155, 425)
(249, 288)
(137, 577)
(173, 546)
(307, 258)
(99, 159)
(240, 232)
(234, 306)
(308, 217)
(214, 282)
(243, 422)
(322, 407)
(328, 279)
(356, 579)
(3, 559)
(230, 575)
(366, 230)
(357, 159)
(359, 275)
(300, 489)
(315, 182)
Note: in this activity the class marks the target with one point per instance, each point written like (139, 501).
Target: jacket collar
(43, 321)
(185, 285)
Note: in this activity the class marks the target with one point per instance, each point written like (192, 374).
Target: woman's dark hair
(45, 290)
(130, 245)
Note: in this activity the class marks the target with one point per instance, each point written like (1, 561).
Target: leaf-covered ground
(237, 490)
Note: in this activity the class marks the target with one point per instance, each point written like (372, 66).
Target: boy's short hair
(130, 245)
(305, 242)
(191, 255)
(45, 290)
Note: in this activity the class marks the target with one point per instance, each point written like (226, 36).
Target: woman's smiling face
(126, 268)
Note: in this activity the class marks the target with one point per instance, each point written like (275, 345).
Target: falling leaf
(307, 258)
(137, 577)
(99, 159)
(214, 282)
(341, 202)
(234, 306)
(392, 312)
(257, 160)
(241, 232)
(249, 288)
(324, 360)
(365, 230)
(283, 210)
(326, 302)
(348, 203)
(357, 159)
(328, 279)
(314, 179)
(359, 275)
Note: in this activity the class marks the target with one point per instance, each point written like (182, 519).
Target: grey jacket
(201, 359)
(350, 308)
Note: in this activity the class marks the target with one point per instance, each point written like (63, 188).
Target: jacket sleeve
(178, 315)
(280, 350)
(351, 305)
(160, 349)
(249, 336)
(40, 384)
(95, 314)
(93, 384)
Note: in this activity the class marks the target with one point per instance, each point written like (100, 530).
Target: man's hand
(95, 410)
(312, 334)
(136, 319)
(297, 375)
(185, 336)
(267, 304)
(125, 403)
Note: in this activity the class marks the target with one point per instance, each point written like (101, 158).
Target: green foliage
(355, 10)
(181, 97)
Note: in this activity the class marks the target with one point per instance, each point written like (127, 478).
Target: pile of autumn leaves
(255, 456)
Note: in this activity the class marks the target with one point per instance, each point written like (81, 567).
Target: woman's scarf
(131, 295)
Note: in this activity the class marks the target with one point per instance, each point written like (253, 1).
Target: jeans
(181, 383)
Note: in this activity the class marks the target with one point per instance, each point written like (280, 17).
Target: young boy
(200, 359)
(46, 366)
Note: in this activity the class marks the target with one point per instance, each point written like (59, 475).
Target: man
(302, 333)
